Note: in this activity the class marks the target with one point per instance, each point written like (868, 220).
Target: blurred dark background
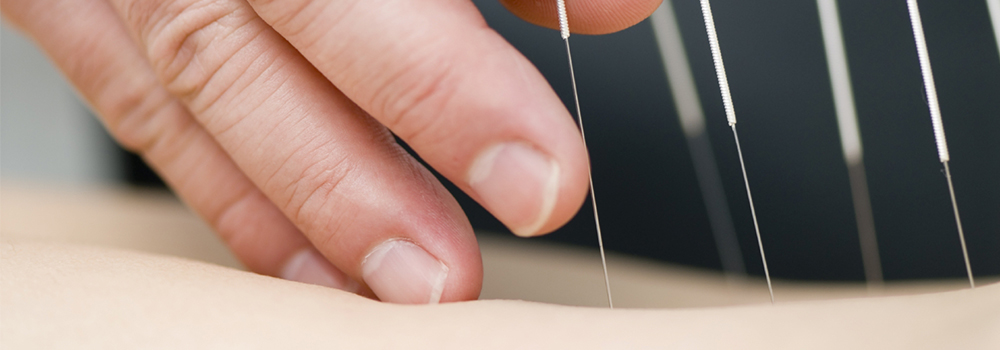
(649, 200)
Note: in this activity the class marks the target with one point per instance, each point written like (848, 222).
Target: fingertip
(429, 252)
(518, 183)
(585, 16)
(402, 271)
(574, 185)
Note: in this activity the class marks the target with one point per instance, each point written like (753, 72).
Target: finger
(465, 100)
(372, 210)
(110, 72)
(585, 16)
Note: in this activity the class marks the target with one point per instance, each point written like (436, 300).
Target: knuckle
(190, 41)
(137, 111)
(136, 119)
(147, 120)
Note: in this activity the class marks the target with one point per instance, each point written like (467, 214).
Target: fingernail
(309, 266)
(518, 184)
(399, 271)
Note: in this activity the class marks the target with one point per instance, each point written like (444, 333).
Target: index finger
(463, 98)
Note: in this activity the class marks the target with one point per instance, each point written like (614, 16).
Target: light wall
(46, 133)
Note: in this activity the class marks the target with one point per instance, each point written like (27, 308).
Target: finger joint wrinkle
(190, 43)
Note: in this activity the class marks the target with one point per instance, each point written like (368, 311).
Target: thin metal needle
(753, 213)
(564, 31)
(938, 125)
(958, 221)
(692, 119)
(727, 100)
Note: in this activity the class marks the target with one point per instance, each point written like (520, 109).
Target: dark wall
(647, 193)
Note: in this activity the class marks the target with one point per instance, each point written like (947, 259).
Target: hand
(272, 120)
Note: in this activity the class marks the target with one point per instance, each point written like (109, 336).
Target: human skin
(272, 120)
(61, 296)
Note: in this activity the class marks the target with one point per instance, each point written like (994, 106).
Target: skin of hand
(62, 296)
(272, 120)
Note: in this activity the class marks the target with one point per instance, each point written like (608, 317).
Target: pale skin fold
(62, 296)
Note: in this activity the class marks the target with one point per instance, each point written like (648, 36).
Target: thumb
(585, 16)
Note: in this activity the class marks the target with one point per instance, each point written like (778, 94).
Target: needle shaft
(564, 31)
(720, 72)
(753, 213)
(936, 123)
(958, 221)
(593, 198)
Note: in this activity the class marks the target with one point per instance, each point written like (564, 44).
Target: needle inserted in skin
(564, 31)
(935, 109)
(727, 100)
(692, 118)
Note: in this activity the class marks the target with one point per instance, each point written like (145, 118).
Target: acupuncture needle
(727, 100)
(692, 120)
(935, 110)
(564, 32)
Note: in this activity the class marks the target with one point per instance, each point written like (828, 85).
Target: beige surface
(58, 294)
(146, 220)
(68, 297)
(515, 268)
